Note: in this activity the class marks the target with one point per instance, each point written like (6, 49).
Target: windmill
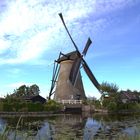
(66, 77)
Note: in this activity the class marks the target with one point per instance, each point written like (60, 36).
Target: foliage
(22, 106)
(25, 91)
(85, 102)
(114, 103)
(1, 106)
(112, 106)
(7, 107)
(34, 90)
(35, 107)
(109, 87)
(96, 103)
(105, 103)
(51, 105)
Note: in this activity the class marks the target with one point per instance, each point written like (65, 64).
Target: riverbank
(56, 113)
(30, 114)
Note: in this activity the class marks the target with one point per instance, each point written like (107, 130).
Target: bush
(7, 107)
(97, 104)
(137, 106)
(51, 105)
(10, 106)
(85, 102)
(1, 106)
(38, 106)
(112, 106)
(30, 106)
(34, 107)
(105, 102)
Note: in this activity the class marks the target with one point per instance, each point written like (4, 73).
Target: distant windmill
(66, 77)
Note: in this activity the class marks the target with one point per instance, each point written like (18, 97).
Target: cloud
(30, 28)
(105, 7)
(4, 45)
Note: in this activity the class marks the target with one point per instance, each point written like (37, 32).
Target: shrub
(51, 105)
(97, 104)
(112, 106)
(35, 107)
(7, 107)
(1, 106)
(105, 102)
(38, 106)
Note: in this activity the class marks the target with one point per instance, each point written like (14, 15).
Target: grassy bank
(21, 106)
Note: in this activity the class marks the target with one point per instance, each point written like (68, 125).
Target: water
(71, 127)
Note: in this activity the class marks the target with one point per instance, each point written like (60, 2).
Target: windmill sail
(87, 46)
(61, 16)
(90, 75)
(75, 70)
(77, 62)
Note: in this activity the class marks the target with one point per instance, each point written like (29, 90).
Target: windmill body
(65, 90)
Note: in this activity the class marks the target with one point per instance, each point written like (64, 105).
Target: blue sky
(32, 35)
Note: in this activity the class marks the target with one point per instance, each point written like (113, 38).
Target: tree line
(114, 100)
(24, 91)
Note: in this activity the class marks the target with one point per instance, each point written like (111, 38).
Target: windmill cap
(69, 56)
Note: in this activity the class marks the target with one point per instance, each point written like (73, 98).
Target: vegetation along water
(71, 127)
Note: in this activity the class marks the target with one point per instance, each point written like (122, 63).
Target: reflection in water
(45, 132)
(2, 125)
(63, 127)
(91, 128)
(132, 131)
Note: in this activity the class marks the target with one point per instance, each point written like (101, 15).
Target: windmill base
(70, 108)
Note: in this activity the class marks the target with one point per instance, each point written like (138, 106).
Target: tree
(34, 90)
(26, 91)
(21, 91)
(110, 96)
(109, 87)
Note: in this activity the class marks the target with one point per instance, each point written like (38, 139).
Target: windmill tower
(67, 76)
(65, 89)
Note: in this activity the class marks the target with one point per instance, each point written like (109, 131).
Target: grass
(6, 132)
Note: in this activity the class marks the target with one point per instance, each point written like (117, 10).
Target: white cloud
(4, 45)
(104, 7)
(33, 26)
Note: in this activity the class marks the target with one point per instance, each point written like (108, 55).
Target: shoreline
(30, 114)
(56, 113)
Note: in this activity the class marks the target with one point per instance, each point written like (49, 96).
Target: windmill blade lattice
(87, 46)
(90, 75)
(76, 65)
(61, 16)
(75, 70)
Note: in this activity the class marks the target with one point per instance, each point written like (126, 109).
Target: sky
(32, 35)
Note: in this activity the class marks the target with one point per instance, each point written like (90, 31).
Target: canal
(71, 127)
